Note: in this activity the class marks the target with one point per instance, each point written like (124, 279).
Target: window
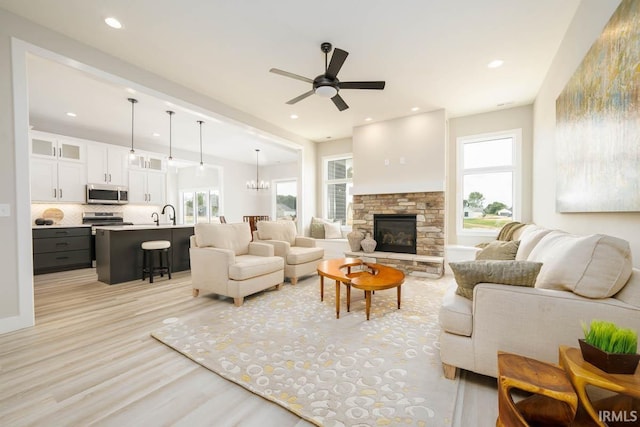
(286, 194)
(488, 193)
(338, 182)
(199, 205)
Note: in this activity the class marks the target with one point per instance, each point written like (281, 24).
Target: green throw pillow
(500, 250)
(317, 230)
(517, 273)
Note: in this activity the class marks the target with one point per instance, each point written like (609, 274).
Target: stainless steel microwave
(104, 194)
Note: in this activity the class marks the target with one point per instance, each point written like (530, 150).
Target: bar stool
(148, 265)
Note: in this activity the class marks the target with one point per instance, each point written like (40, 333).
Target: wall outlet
(403, 161)
(386, 162)
(5, 209)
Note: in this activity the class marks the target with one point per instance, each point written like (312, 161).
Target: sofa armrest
(261, 248)
(305, 242)
(536, 321)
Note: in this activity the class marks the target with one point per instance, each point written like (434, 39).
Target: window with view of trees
(286, 199)
(200, 205)
(488, 181)
(338, 181)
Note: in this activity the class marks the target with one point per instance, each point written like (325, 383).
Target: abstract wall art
(598, 122)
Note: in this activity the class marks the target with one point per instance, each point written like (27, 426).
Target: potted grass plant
(610, 348)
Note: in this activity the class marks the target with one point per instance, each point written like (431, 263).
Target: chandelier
(257, 184)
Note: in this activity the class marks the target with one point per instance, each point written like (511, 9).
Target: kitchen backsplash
(73, 212)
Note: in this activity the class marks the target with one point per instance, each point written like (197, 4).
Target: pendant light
(132, 152)
(257, 184)
(170, 159)
(200, 122)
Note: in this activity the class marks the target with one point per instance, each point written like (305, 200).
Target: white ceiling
(432, 55)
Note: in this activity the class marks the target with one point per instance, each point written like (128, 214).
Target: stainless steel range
(101, 218)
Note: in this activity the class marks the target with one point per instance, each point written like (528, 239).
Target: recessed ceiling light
(495, 63)
(71, 114)
(294, 116)
(368, 119)
(113, 22)
(131, 91)
(415, 108)
(155, 134)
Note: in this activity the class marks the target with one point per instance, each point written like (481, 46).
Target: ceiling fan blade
(339, 103)
(288, 74)
(300, 98)
(337, 59)
(361, 85)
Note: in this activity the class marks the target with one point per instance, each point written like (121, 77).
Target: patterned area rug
(288, 347)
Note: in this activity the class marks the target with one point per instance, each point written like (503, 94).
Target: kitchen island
(118, 252)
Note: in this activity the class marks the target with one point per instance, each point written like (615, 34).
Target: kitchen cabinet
(106, 164)
(61, 248)
(147, 187)
(50, 146)
(57, 181)
(147, 161)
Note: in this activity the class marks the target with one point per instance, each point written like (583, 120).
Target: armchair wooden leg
(238, 301)
(449, 371)
(196, 292)
(294, 280)
(278, 286)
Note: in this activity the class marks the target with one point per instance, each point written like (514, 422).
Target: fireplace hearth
(395, 233)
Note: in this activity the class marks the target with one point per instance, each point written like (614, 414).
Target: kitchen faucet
(171, 218)
(157, 220)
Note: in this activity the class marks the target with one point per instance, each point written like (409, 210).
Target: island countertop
(141, 227)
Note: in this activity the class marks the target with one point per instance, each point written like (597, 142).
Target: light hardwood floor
(91, 361)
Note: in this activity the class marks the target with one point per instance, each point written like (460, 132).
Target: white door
(97, 164)
(44, 180)
(137, 186)
(116, 173)
(71, 182)
(156, 188)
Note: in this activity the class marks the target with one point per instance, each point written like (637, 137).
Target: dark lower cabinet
(60, 249)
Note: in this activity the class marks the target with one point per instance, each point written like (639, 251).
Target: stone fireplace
(428, 210)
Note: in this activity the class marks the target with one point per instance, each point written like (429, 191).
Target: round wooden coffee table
(369, 277)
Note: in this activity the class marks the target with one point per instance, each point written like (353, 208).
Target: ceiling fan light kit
(327, 85)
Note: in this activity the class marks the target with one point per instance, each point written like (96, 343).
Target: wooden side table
(554, 401)
(624, 407)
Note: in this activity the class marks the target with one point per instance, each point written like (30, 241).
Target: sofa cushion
(235, 237)
(283, 230)
(317, 227)
(248, 266)
(301, 255)
(595, 266)
(630, 293)
(529, 237)
(456, 313)
(500, 250)
(517, 273)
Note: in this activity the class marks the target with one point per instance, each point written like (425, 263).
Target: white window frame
(515, 168)
(207, 190)
(326, 181)
(274, 183)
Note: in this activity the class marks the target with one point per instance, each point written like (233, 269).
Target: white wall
(16, 286)
(507, 119)
(587, 25)
(400, 155)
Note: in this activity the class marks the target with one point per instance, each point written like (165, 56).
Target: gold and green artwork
(598, 122)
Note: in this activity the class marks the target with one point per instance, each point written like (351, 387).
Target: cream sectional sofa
(581, 278)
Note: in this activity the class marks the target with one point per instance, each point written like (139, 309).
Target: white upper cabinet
(147, 187)
(55, 147)
(53, 181)
(149, 161)
(106, 164)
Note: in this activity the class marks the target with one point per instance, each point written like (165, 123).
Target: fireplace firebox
(395, 233)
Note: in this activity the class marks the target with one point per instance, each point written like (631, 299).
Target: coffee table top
(373, 277)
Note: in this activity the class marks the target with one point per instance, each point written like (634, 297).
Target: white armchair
(225, 261)
(300, 254)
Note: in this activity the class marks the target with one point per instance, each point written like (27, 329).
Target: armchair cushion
(284, 230)
(300, 255)
(235, 237)
(248, 266)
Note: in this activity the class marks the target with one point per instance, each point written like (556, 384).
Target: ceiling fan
(327, 85)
